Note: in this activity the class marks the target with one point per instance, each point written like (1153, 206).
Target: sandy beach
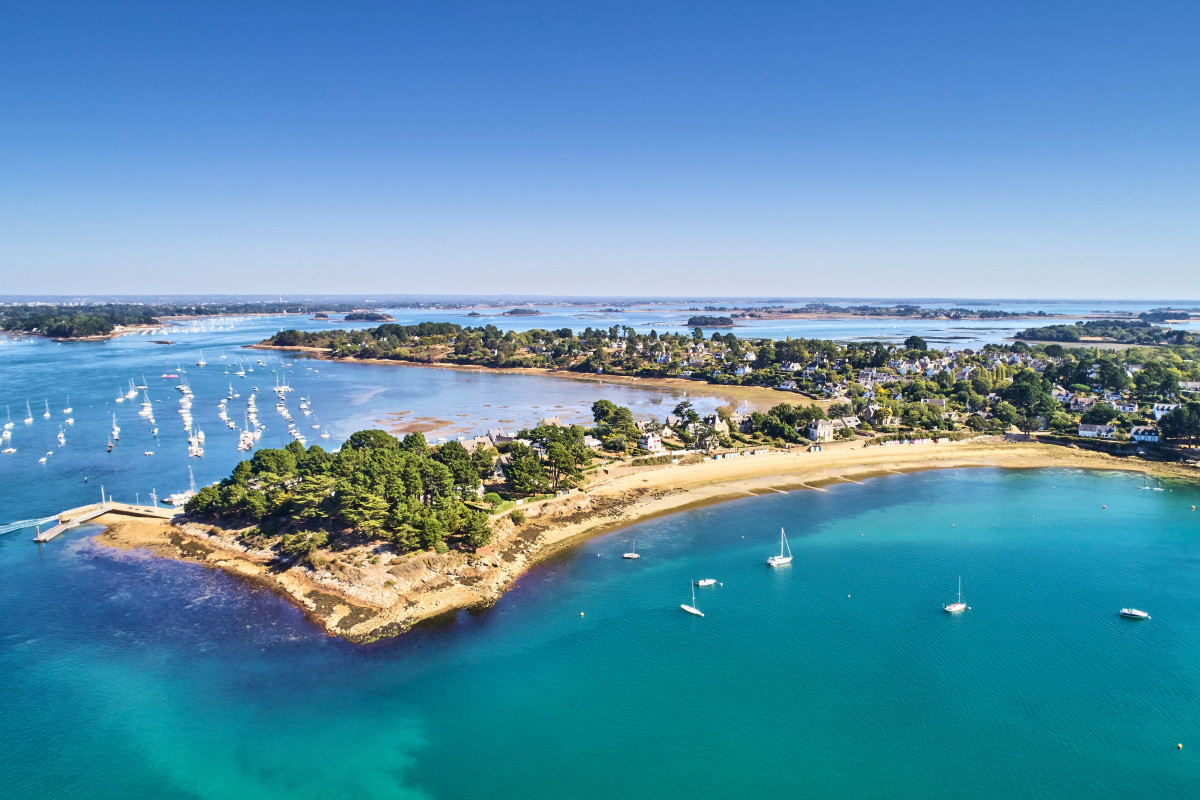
(366, 593)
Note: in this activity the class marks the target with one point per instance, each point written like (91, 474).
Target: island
(522, 312)
(368, 316)
(704, 321)
(99, 321)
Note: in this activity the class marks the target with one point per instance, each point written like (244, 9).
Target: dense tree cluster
(1122, 331)
(376, 486)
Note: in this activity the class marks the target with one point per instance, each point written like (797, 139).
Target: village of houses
(864, 403)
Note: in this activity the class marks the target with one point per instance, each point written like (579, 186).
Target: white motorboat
(706, 581)
(692, 608)
(958, 606)
(1133, 613)
(781, 559)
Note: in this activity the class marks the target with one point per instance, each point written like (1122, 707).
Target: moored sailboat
(958, 606)
(781, 559)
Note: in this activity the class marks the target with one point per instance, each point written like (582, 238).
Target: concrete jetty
(77, 516)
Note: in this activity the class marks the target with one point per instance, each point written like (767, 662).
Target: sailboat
(28, 414)
(68, 409)
(201, 362)
(8, 425)
(692, 608)
(633, 553)
(47, 414)
(959, 606)
(781, 559)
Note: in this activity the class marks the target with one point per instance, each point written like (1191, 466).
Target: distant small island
(704, 321)
(522, 312)
(368, 316)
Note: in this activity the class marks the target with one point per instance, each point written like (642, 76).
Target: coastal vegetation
(873, 388)
(375, 487)
(88, 320)
(368, 316)
(1118, 331)
(706, 321)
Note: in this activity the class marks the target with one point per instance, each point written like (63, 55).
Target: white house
(787, 386)
(820, 430)
(1126, 406)
(651, 442)
(743, 371)
(1144, 433)
(1160, 410)
(1094, 431)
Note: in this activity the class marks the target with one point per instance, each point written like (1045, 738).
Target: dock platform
(74, 517)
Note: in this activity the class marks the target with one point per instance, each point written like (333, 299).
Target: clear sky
(1040, 149)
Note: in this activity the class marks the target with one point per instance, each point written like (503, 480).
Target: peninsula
(365, 586)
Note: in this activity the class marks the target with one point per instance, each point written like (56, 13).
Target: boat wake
(9, 527)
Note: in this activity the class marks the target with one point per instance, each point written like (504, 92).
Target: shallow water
(836, 676)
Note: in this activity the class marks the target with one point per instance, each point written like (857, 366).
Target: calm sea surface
(837, 676)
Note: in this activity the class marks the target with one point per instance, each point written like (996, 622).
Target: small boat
(706, 581)
(42, 460)
(692, 608)
(201, 362)
(781, 559)
(1133, 613)
(148, 453)
(28, 414)
(8, 425)
(959, 606)
(632, 553)
(62, 438)
(9, 450)
(69, 420)
(46, 415)
(68, 409)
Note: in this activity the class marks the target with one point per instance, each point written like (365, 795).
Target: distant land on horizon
(483, 300)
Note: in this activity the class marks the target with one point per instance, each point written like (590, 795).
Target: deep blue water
(836, 676)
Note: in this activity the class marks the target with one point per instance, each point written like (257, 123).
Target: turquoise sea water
(838, 676)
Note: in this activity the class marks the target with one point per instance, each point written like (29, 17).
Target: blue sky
(792, 149)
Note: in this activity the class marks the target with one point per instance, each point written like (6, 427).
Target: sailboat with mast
(201, 362)
(785, 552)
(958, 606)
(46, 415)
(633, 553)
(68, 409)
(692, 608)
(8, 412)
(28, 414)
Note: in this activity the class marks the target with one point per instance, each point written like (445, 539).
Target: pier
(78, 516)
